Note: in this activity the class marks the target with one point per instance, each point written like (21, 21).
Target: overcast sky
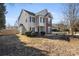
(15, 9)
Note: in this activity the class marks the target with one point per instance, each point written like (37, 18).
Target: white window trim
(33, 19)
(41, 19)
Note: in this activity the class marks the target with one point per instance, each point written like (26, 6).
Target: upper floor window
(30, 18)
(33, 29)
(33, 19)
(41, 19)
(26, 20)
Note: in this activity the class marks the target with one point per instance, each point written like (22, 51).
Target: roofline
(41, 10)
(20, 14)
(29, 12)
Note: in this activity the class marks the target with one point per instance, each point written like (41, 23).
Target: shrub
(28, 33)
(42, 33)
(55, 30)
(34, 33)
(31, 34)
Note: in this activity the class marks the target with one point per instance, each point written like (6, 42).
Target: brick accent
(37, 22)
(48, 24)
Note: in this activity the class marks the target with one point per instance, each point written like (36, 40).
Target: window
(30, 18)
(33, 29)
(26, 20)
(30, 28)
(33, 19)
(43, 20)
(40, 19)
(41, 29)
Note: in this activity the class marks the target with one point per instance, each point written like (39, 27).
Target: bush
(31, 34)
(34, 33)
(28, 33)
(42, 33)
(55, 30)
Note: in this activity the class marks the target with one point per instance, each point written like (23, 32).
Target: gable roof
(29, 12)
(49, 14)
(43, 12)
(20, 15)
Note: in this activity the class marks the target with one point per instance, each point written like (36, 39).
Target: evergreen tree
(2, 16)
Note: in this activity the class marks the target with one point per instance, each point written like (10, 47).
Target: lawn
(13, 44)
(52, 46)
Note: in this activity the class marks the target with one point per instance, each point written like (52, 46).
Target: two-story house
(40, 21)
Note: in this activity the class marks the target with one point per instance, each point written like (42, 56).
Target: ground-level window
(33, 29)
(41, 28)
(30, 28)
(43, 20)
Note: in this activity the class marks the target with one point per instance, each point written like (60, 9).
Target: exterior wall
(22, 20)
(27, 24)
(41, 23)
(22, 29)
(31, 24)
(25, 20)
(48, 25)
(37, 25)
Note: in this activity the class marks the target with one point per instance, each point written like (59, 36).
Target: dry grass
(8, 32)
(54, 47)
(11, 46)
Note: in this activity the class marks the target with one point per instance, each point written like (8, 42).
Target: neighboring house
(60, 27)
(29, 21)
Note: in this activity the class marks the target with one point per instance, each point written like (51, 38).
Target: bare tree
(61, 26)
(71, 14)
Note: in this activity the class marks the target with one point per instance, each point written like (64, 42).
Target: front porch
(43, 29)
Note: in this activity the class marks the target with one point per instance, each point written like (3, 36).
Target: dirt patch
(8, 32)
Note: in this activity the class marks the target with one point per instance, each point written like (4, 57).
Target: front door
(41, 28)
